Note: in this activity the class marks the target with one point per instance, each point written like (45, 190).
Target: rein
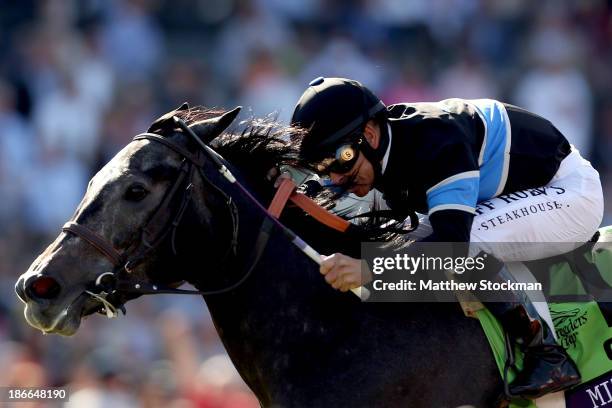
(121, 280)
(286, 191)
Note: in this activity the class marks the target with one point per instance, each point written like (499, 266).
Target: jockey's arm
(344, 273)
(451, 185)
(450, 226)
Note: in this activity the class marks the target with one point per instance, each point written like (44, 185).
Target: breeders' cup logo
(567, 323)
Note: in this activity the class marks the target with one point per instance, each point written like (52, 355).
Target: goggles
(343, 161)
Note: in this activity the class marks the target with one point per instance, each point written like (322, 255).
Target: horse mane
(259, 144)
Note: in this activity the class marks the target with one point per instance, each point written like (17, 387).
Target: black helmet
(332, 109)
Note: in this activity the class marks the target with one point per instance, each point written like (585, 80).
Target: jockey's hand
(342, 272)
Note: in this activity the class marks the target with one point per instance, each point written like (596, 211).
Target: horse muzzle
(63, 320)
(48, 306)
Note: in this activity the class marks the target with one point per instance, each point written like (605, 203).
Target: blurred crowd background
(79, 78)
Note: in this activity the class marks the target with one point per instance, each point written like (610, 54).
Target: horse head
(127, 226)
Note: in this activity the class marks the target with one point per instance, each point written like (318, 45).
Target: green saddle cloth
(581, 327)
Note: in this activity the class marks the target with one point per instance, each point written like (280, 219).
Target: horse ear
(165, 123)
(210, 128)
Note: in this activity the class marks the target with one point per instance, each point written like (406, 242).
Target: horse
(160, 213)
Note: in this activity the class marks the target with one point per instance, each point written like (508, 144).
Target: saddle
(586, 266)
(583, 323)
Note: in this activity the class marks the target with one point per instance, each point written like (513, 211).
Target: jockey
(473, 166)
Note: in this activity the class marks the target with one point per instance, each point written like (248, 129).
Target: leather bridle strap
(157, 228)
(286, 191)
(198, 160)
(283, 192)
(161, 222)
(153, 232)
(319, 213)
(94, 240)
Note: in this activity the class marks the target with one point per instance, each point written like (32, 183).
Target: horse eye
(135, 192)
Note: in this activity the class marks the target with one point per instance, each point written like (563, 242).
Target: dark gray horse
(295, 341)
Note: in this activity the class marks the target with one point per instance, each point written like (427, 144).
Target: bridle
(109, 286)
(163, 223)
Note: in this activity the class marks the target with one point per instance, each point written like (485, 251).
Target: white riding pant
(567, 211)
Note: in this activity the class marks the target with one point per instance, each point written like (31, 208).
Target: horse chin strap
(111, 287)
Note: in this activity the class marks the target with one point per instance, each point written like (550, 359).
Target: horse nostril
(42, 287)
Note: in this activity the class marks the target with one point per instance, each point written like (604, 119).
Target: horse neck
(284, 326)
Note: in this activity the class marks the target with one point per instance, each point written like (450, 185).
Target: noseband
(161, 224)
